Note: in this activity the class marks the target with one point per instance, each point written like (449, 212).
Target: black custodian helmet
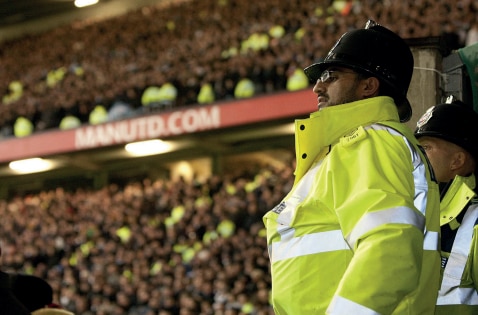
(455, 122)
(377, 51)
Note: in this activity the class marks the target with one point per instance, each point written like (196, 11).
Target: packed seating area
(70, 70)
(150, 247)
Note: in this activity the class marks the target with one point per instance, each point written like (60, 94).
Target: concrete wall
(426, 87)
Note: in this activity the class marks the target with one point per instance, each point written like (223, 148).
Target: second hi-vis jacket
(359, 231)
(459, 213)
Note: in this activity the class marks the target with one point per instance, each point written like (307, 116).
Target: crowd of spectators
(71, 69)
(149, 247)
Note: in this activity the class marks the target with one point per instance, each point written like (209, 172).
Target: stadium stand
(68, 70)
(150, 246)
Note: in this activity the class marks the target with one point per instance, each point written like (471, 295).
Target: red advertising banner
(162, 125)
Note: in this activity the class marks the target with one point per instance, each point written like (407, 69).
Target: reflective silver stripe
(290, 247)
(450, 291)
(340, 305)
(301, 191)
(420, 180)
(431, 240)
(285, 217)
(419, 170)
(308, 244)
(371, 220)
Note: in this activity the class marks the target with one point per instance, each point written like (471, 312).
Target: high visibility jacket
(206, 94)
(23, 127)
(167, 92)
(359, 231)
(297, 81)
(69, 122)
(151, 95)
(459, 286)
(163, 96)
(244, 89)
(277, 31)
(98, 115)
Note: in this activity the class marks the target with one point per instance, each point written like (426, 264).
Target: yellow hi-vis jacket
(459, 286)
(359, 231)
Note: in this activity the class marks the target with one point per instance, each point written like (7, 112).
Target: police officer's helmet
(456, 122)
(377, 51)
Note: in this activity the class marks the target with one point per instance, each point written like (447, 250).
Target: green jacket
(459, 286)
(359, 231)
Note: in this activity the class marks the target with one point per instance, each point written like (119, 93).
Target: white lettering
(180, 122)
(84, 138)
(155, 127)
(174, 125)
(139, 126)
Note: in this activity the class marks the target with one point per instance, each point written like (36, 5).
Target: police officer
(358, 233)
(449, 135)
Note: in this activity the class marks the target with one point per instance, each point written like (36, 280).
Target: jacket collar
(457, 196)
(325, 127)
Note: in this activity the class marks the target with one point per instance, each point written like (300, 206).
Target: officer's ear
(458, 160)
(370, 87)
(462, 163)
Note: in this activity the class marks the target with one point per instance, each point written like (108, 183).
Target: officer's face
(337, 86)
(443, 157)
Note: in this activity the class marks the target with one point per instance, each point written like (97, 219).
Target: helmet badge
(425, 117)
